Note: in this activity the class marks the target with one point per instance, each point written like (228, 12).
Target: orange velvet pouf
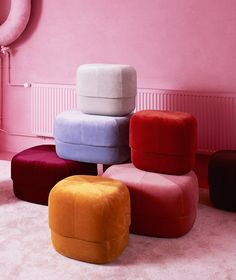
(89, 218)
(163, 141)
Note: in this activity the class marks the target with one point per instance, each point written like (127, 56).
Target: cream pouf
(89, 218)
(106, 89)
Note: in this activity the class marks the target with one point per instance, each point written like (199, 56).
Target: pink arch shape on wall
(16, 21)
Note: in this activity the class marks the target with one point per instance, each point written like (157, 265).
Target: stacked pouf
(99, 131)
(106, 89)
(163, 142)
(162, 185)
(95, 224)
(92, 138)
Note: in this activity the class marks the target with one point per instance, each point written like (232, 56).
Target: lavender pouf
(92, 138)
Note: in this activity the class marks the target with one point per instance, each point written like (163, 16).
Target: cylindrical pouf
(163, 141)
(89, 218)
(106, 89)
(161, 205)
(36, 170)
(222, 179)
(90, 138)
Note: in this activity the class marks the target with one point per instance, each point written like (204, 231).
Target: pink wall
(184, 44)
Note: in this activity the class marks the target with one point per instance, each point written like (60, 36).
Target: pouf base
(111, 106)
(223, 200)
(162, 227)
(102, 252)
(166, 164)
(94, 154)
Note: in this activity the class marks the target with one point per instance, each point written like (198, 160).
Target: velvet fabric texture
(36, 170)
(222, 179)
(89, 218)
(163, 141)
(161, 205)
(112, 85)
(90, 138)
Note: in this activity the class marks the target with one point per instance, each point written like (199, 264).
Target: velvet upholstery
(36, 170)
(163, 141)
(89, 218)
(92, 138)
(222, 179)
(112, 85)
(161, 205)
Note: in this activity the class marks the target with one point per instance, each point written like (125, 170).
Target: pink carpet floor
(208, 251)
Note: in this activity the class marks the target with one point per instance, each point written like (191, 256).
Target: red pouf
(163, 141)
(36, 170)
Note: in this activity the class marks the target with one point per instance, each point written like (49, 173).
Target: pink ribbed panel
(47, 101)
(215, 112)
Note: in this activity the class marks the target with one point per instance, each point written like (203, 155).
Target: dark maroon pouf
(36, 170)
(222, 179)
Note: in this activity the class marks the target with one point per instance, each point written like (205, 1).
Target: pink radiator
(215, 112)
(47, 101)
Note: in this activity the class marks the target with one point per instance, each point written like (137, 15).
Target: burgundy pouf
(36, 170)
(162, 205)
(163, 141)
(222, 179)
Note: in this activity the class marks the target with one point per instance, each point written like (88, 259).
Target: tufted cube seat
(89, 218)
(106, 89)
(163, 141)
(222, 179)
(161, 205)
(92, 138)
(36, 170)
